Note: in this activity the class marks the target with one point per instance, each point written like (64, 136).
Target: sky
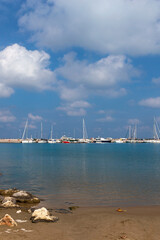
(62, 61)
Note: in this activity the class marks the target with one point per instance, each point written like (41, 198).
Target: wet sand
(137, 223)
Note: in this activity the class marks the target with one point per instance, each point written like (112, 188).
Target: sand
(88, 223)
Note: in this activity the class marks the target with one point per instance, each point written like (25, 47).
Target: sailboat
(41, 140)
(85, 135)
(156, 132)
(51, 140)
(26, 140)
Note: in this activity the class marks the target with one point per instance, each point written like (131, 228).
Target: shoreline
(96, 223)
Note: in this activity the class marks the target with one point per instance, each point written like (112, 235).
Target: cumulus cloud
(102, 77)
(69, 93)
(119, 27)
(6, 116)
(82, 79)
(24, 68)
(34, 117)
(104, 73)
(74, 80)
(76, 108)
(151, 102)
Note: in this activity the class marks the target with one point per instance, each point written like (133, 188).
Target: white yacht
(51, 140)
(103, 140)
(42, 140)
(26, 140)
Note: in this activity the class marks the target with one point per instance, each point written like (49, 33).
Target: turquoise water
(85, 174)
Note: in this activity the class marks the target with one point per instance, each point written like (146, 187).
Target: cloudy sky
(62, 61)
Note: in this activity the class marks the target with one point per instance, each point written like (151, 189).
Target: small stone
(8, 220)
(43, 215)
(19, 211)
(73, 208)
(21, 221)
(62, 210)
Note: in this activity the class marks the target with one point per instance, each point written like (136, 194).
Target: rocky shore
(28, 221)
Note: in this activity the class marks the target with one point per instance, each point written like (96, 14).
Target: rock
(9, 202)
(25, 197)
(20, 196)
(62, 210)
(42, 215)
(1, 199)
(8, 192)
(121, 210)
(73, 208)
(19, 211)
(8, 220)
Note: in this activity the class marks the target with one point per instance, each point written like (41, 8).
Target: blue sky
(62, 61)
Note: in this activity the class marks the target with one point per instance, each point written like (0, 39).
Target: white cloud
(105, 119)
(69, 93)
(6, 116)
(80, 104)
(104, 73)
(103, 77)
(82, 79)
(24, 68)
(76, 108)
(34, 117)
(151, 102)
(134, 121)
(119, 26)
(75, 80)
(5, 91)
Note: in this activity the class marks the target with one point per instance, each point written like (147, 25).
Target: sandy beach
(136, 223)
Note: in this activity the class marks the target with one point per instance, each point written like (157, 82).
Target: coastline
(96, 223)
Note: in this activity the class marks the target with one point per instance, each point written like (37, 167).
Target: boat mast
(129, 135)
(155, 128)
(135, 132)
(51, 131)
(26, 125)
(41, 130)
(85, 136)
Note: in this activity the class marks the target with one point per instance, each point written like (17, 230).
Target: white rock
(9, 202)
(21, 221)
(25, 230)
(19, 211)
(43, 214)
(20, 194)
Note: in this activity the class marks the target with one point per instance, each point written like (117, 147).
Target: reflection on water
(86, 174)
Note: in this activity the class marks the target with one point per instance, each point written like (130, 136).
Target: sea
(84, 174)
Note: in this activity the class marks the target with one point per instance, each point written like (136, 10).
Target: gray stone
(25, 197)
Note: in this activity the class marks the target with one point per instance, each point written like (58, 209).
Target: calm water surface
(85, 174)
